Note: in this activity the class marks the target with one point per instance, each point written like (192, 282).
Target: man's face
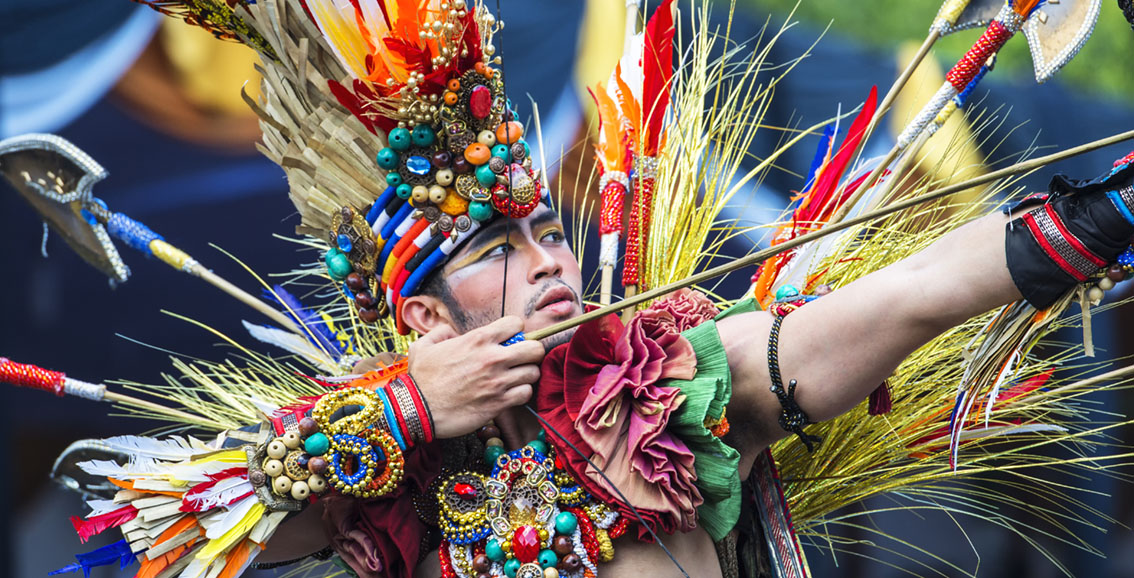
(527, 262)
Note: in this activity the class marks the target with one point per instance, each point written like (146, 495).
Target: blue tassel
(316, 329)
(119, 551)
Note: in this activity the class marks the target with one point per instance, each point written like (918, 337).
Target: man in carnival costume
(404, 156)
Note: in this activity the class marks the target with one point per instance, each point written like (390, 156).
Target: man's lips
(559, 297)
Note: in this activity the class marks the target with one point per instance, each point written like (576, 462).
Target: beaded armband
(792, 417)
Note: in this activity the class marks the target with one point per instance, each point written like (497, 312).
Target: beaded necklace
(527, 519)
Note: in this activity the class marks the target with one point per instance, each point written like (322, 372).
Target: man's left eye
(553, 236)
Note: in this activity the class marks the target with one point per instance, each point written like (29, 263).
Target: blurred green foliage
(1104, 67)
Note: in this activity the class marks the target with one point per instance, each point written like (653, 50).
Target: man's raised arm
(839, 348)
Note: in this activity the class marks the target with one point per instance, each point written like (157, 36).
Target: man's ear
(423, 313)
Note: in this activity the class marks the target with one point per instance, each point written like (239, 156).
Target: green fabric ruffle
(706, 395)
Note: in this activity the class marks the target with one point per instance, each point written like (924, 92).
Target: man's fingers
(519, 375)
(518, 395)
(500, 330)
(438, 334)
(525, 352)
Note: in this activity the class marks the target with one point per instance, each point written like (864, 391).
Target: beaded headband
(454, 159)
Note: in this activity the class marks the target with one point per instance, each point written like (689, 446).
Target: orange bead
(477, 154)
(479, 67)
(450, 98)
(454, 84)
(509, 132)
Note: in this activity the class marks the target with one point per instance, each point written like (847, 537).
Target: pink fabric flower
(620, 409)
(689, 308)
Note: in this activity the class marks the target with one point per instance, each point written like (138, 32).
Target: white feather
(172, 448)
(224, 492)
(292, 343)
(100, 507)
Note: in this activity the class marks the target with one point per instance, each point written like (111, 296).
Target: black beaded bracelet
(792, 417)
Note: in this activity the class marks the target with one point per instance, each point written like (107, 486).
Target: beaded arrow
(618, 113)
(56, 178)
(1056, 31)
(57, 382)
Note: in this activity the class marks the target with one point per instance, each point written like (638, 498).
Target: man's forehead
(500, 226)
(542, 214)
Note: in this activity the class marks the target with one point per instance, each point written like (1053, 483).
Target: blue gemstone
(418, 165)
(344, 243)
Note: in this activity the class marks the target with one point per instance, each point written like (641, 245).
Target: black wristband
(792, 417)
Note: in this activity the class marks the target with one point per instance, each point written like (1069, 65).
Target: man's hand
(469, 379)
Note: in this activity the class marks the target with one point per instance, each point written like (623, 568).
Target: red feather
(657, 72)
(191, 501)
(350, 102)
(828, 181)
(98, 524)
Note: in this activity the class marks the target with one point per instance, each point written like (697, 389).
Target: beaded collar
(527, 519)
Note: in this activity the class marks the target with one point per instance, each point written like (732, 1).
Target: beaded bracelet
(408, 411)
(396, 404)
(422, 407)
(390, 420)
(792, 417)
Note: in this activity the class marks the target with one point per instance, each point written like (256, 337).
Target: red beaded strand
(447, 570)
(35, 377)
(587, 532)
(638, 233)
(613, 202)
(993, 39)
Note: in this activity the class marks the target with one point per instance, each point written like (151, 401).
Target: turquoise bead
(393, 179)
(338, 265)
(547, 559)
(422, 135)
(565, 523)
(541, 436)
(388, 158)
(511, 567)
(480, 211)
(403, 191)
(491, 453)
(399, 139)
(501, 150)
(539, 446)
(786, 292)
(316, 444)
(485, 176)
(493, 550)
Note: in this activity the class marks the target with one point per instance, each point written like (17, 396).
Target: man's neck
(517, 427)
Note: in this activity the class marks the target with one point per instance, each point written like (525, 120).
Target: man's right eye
(499, 250)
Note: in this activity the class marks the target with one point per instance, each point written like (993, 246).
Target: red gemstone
(525, 544)
(465, 491)
(480, 101)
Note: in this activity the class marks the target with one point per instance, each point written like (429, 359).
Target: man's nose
(543, 264)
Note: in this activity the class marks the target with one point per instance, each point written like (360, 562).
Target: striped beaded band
(1123, 200)
(1061, 245)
